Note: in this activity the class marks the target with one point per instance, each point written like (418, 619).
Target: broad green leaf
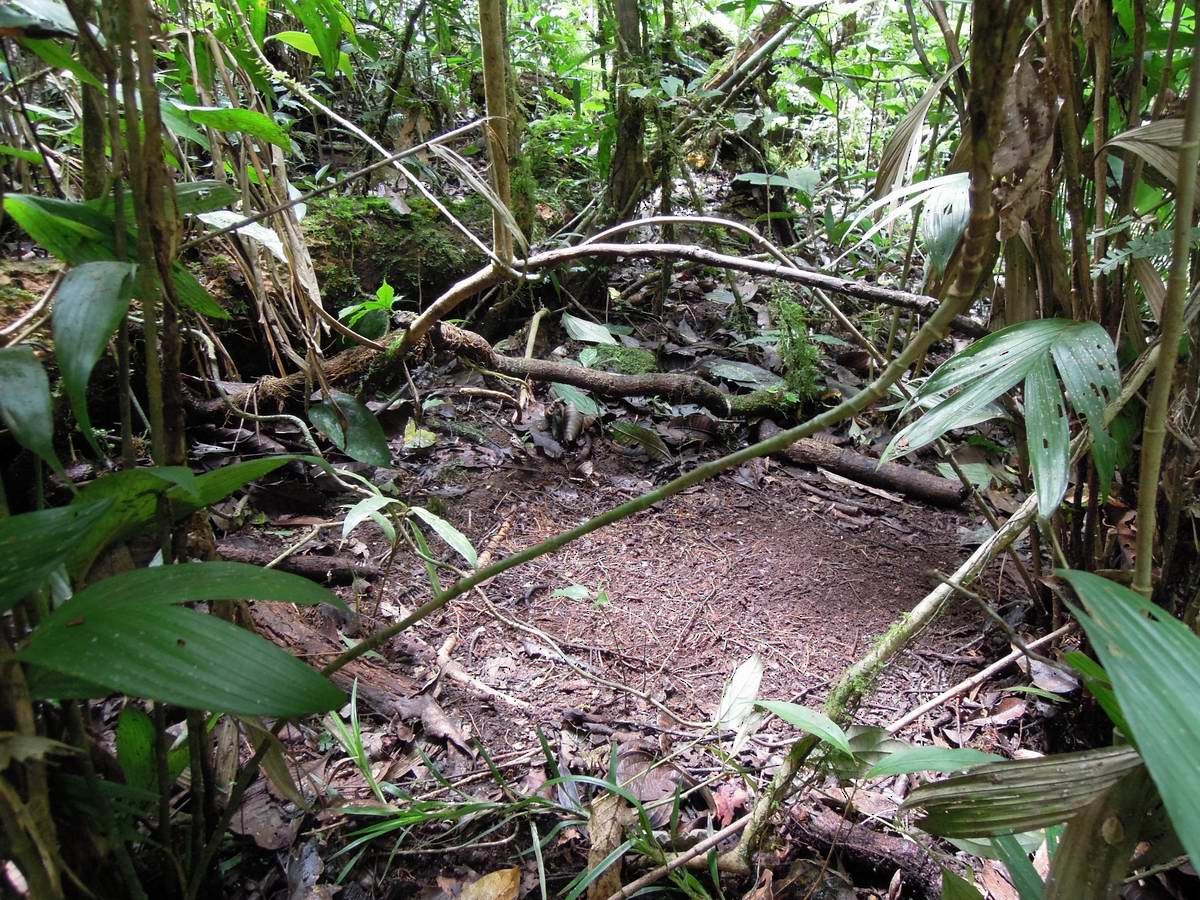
(71, 232)
(582, 330)
(1086, 362)
(583, 402)
(84, 232)
(1024, 877)
(305, 44)
(363, 438)
(135, 741)
(417, 438)
(196, 582)
(37, 18)
(815, 723)
(134, 493)
(930, 759)
(33, 545)
(572, 592)
(57, 56)
(1092, 859)
(448, 533)
(1099, 685)
(88, 306)
(1153, 660)
(129, 634)
(955, 888)
(362, 510)
(25, 405)
(243, 121)
(985, 849)
(1049, 436)
(870, 745)
(195, 197)
(325, 30)
(1021, 795)
(427, 557)
(633, 433)
(998, 349)
(30, 156)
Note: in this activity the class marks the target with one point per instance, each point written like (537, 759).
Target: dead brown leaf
(995, 882)
(763, 890)
(604, 826)
(729, 799)
(503, 884)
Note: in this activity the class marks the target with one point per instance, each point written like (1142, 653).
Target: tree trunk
(495, 91)
(627, 172)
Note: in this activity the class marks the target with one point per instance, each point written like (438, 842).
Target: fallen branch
(868, 470)
(978, 678)
(861, 847)
(337, 569)
(551, 259)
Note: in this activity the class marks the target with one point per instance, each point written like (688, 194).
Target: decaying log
(355, 363)
(866, 469)
(336, 569)
(861, 848)
(385, 691)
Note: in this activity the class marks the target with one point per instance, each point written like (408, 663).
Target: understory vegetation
(496, 450)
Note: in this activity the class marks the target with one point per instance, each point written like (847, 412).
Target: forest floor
(627, 636)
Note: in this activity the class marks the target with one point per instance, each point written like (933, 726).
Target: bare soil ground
(653, 614)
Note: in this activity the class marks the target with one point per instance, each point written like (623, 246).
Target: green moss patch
(623, 360)
(359, 242)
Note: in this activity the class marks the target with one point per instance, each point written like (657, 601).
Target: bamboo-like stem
(1062, 55)
(495, 91)
(1154, 433)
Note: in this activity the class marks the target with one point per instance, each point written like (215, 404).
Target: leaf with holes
(1031, 352)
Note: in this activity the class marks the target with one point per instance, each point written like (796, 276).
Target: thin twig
(978, 678)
